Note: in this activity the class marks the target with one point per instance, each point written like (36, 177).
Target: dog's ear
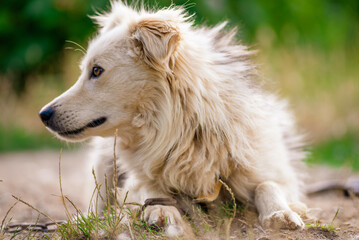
(157, 40)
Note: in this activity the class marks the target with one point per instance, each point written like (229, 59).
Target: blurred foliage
(336, 152)
(33, 32)
(16, 138)
(311, 48)
(324, 23)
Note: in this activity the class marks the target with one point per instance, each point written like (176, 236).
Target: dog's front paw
(283, 219)
(167, 217)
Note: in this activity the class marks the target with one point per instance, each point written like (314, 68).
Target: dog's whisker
(77, 44)
(81, 48)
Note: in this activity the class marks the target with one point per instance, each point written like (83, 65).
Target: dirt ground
(34, 177)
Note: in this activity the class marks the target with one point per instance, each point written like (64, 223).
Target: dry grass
(120, 220)
(5, 222)
(225, 219)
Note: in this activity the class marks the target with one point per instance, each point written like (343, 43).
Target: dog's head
(122, 72)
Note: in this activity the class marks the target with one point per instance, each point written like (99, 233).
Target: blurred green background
(308, 50)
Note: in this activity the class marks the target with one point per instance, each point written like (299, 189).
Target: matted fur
(188, 110)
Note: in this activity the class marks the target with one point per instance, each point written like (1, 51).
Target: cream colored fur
(188, 110)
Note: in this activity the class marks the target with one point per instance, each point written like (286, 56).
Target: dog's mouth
(95, 123)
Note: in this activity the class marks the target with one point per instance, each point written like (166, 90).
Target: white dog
(189, 112)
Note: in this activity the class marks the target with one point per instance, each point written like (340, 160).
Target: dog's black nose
(46, 115)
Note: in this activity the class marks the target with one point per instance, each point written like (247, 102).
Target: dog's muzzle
(48, 117)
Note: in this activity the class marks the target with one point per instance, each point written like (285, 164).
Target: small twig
(96, 200)
(62, 194)
(7, 213)
(124, 202)
(73, 204)
(115, 179)
(108, 200)
(91, 199)
(98, 186)
(336, 214)
(131, 233)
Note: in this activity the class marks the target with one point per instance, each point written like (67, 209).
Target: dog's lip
(95, 123)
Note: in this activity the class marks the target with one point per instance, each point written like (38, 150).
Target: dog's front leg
(273, 208)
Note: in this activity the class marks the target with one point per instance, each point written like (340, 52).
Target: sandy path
(33, 176)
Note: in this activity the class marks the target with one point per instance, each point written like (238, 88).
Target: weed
(325, 227)
(118, 218)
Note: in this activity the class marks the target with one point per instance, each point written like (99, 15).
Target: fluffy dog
(189, 112)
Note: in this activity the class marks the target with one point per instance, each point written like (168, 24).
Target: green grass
(337, 152)
(325, 227)
(18, 139)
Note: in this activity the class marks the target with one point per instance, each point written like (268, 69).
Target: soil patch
(34, 177)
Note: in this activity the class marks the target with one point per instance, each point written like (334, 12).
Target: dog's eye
(96, 71)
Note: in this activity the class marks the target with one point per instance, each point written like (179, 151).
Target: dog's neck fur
(182, 143)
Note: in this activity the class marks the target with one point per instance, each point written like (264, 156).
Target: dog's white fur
(188, 111)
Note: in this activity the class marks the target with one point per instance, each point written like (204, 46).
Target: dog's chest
(191, 180)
